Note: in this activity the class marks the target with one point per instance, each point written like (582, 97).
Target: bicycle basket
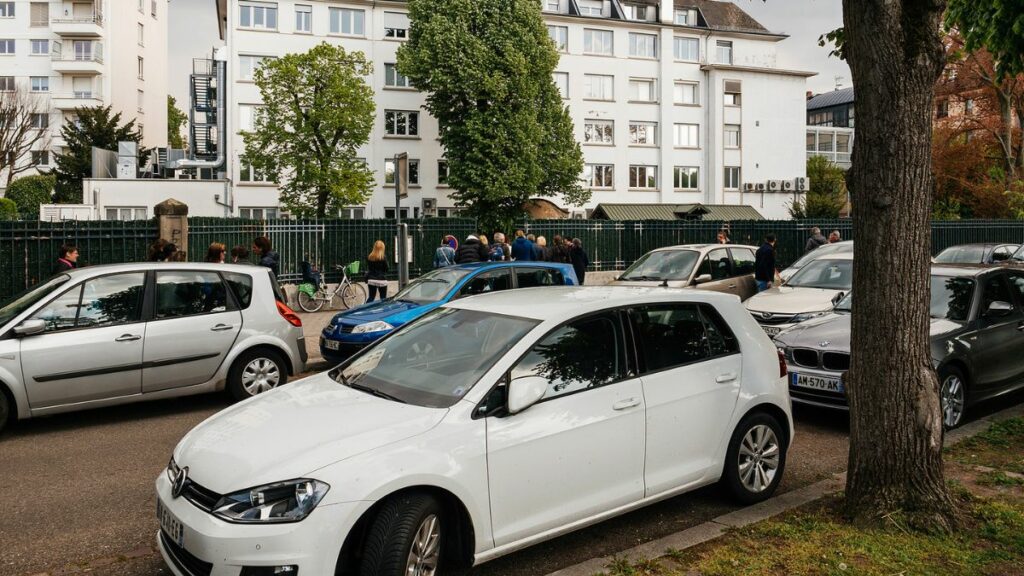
(353, 268)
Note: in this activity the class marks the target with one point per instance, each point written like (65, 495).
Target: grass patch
(998, 447)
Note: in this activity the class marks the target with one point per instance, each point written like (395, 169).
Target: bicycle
(351, 294)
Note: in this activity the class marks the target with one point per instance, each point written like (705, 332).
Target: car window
(531, 277)
(1002, 253)
(825, 274)
(670, 335)
(1017, 284)
(742, 261)
(25, 300)
(103, 301)
(488, 281)
(241, 285)
(721, 339)
(969, 254)
(583, 354)
(184, 293)
(716, 263)
(662, 265)
(61, 313)
(995, 290)
(432, 286)
(951, 297)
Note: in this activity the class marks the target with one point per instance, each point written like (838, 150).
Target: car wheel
(5, 411)
(952, 396)
(309, 303)
(353, 295)
(254, 372)
(756, 458)
(405, 538)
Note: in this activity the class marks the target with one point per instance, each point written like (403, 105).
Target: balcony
(76, 99)
(81, 58)
(80, 26)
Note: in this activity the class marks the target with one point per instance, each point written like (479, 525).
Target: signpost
(401, 230)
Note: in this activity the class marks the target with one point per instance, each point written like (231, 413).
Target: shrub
(29, 192)
(8, 209)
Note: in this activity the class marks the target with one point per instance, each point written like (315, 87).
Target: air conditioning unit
(774, 185)
(429, 206)
(760, 187)
(578, 214)
(749, 187)
(787, 185)
(803, 184)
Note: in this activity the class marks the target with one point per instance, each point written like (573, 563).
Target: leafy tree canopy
(95, 126)
(8, 209)
(827, 195)
(995, 25)
(175, 120)
(29, 192)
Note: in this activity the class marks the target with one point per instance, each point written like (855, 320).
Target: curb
(774, 506)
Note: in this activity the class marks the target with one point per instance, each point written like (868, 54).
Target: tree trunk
(895, 463)
(1006, 114)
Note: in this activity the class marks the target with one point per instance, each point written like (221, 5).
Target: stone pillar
(172, 217)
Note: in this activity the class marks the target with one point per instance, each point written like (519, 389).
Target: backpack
(497, 253)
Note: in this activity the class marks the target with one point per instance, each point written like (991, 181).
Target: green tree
(827, 195)
(95, 127)
(175, 120)
(29, 192)
(317, 111)
(8, 209)
(993, 25)
(486, 68)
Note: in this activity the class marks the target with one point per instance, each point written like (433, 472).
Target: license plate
(771, 330)
(331, 344)
(170, 525)
(818, 382)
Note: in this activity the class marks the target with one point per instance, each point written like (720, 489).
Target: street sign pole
(401, 230)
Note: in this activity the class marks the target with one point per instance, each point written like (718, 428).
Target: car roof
(840, 256)
(702, 247)
(559, 303)
(980, 245)
(516, 264)
(963, 269)
(102, 269)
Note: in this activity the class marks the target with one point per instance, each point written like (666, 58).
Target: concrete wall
(200, 195)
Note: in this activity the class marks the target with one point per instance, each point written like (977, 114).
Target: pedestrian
(215, 253)
(580, 260)
(815, 240)
(540, 249)
(67, 258)
(834, 237)
(377, 272)
(444, 256)
(239, 254)
(521, 249)
(162, 251)
(500, 251)
(268, 257)
(558, 252)
(471, 251)
(178, 256)
(723, 237)
(483, 240)
(764, 264)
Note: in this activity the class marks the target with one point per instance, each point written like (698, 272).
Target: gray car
(725, 268)
(977, 340)
(110, 335)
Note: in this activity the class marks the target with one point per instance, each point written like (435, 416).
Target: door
(487, 281)
(743, 271)
(717, 265)
(580, 450)
(81, 86)
(92, 346)
(194, 325)
(1000, 338)
(83, 49)
(691, 371)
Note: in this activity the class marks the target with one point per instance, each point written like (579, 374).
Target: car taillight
(782, 364)
(288, 314)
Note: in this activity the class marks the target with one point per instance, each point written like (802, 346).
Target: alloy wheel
(758, 458)
(426, 548)
(952, 398)
(260, 375)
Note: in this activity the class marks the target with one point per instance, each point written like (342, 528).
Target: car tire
(5, 410)
(952, 387)
(756, 458)
(408, 529)
(256, 371)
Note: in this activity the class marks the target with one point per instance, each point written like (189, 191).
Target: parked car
(353, 330)
(720, 267)
(844, 247)
(108, 335)
(976, 341)
(813, 291)
(988, 253)
(527, 421)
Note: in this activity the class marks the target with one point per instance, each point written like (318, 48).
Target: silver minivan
(122, 333)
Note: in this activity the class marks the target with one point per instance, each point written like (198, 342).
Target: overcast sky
(193, 33)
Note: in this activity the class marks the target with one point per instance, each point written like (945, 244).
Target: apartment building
(830, 126)
(673, 101)
(71, 54)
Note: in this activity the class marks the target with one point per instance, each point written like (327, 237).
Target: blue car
(352, 330)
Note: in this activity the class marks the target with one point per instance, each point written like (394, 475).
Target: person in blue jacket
(522, 249)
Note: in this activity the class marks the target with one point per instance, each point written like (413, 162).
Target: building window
(141, 97)
(642, 90)
(389, 172)
(126, 212)
(687, 49)
(599, 175)
(685, 177)
(40, 47)
(40, 157)
(599, 132)
(732, 178)
(259, 213)
(724, 52)
(393, 78)
(550, 5)
(560, 36)
(40, 83)
(591, 7)
(942, 109)
(152, 8)
(354, 213)
(686, 17)
(562, 82)
(248, 65)
(142, 34)
(600, 42)
(396, 25)
(6, 83)
(347, 21)
(142, 6)
(249, 174)
(40, 121)
(303, 18)
(686, 93)
(643, 133)
(142, 68)
(7, 46)
(686, 136)
(969, 106)
(733, 93)
(732, 136)
(598, 87)
(442, 172)
(849, 117)
(643, 45)
(40, 14)
(401, 123)
(6, 9)
(259, 16)
(643, 177)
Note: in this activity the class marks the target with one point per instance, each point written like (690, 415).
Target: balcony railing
(94, 53)
(79, 95)
(96, 18)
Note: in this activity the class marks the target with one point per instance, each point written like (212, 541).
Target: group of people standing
(524, 248)
(764, 260)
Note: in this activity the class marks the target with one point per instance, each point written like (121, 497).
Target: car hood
(790, 300)
(380, 310)
(835, 330)
(651, 283)
(294, 430)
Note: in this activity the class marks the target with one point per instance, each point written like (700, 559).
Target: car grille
(773, 320)
(805, 357)
(183, 560)
(835, 361)
(346, 328)
(201, 497)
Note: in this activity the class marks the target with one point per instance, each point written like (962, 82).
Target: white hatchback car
(108, 335)
(490, 424)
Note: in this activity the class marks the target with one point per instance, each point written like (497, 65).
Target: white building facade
(673, 101)
(70, 54)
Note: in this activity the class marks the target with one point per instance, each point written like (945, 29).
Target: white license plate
(771, 330)
(331, 344)
(170, 525)
(818, 382)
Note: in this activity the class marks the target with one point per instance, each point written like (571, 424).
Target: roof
(830, 99)
(514, 264)
(702, 247)
(963, 269)
(101, 269)
(723, 15)
(675, 212)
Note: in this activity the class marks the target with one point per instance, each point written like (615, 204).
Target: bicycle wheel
(309, 303)
(353, 295)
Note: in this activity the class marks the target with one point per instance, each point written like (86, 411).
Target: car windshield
(962, 255)
(435, 361)
(663, 265)
(826, 274)
(26, 299)
(827, 249)
(951, 298)
(1019, 254)
(432, 286)
(845, 306)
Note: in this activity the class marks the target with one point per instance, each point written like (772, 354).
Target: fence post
(172, 223)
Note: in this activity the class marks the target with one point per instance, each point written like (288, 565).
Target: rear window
(241, 286)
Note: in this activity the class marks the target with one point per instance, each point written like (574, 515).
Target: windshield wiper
(644, 278)
(372, 391)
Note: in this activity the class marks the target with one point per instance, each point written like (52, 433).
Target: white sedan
(493, 423)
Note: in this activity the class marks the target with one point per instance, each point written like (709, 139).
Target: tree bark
(895, 462)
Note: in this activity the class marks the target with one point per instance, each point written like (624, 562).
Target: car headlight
(172, 469)
(378, 326)
(809, 315)
(289, 501)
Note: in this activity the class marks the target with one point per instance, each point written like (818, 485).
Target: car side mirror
(30, 327)
(998, 309)
(837, 298)
(525, 392)
(702, 279)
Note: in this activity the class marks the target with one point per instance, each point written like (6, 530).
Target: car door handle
(732, 285)
(626, 404)
(127, 338)
(724, 378)
(221, 327)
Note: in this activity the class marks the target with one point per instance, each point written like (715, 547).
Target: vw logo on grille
(824, 343)
(767, 315)
(179, 482)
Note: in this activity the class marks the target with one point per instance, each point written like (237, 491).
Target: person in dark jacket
(471, 251)
(522, 249)
(580, 260)
(377, 272)
(268, 257)
(764, 264)
(816, 239)
(239, 254)
(540, 249)
(67, 259)
(558, 252)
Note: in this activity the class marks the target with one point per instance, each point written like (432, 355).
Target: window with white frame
(686, 17)
(685, 48)
(142, 6)
(348, 21)
(39, 83)
(303, 18)
(732, 178)
(732, 135)
(442, 172)
(126, 212)
(642, 90)
(6, 46)
(6, 9)
(562, 82)
(259, 212)
(723, 51)
(643, 133)
(152, 8)
(591, 7)
(141, 32)
(40, 121)
(732, 93)
(389, 172)
(40, 157)
(599, 175)
(550, 5)
(560, 36)
(686, 93)
(643, 177)
(686, 136)
(247, 66)
(142, 67)
(685, 177)
(393, 78)
(396, 25)
(140, 98)
(641, 13)
(600, 42)
(598, 87)
(257, 15)
(599, 132)
(40, 14)
(40, 47)
(246, 117)
(401, 123)
(247, 173)
(6, 83)
(352, 213)
(643, 45)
